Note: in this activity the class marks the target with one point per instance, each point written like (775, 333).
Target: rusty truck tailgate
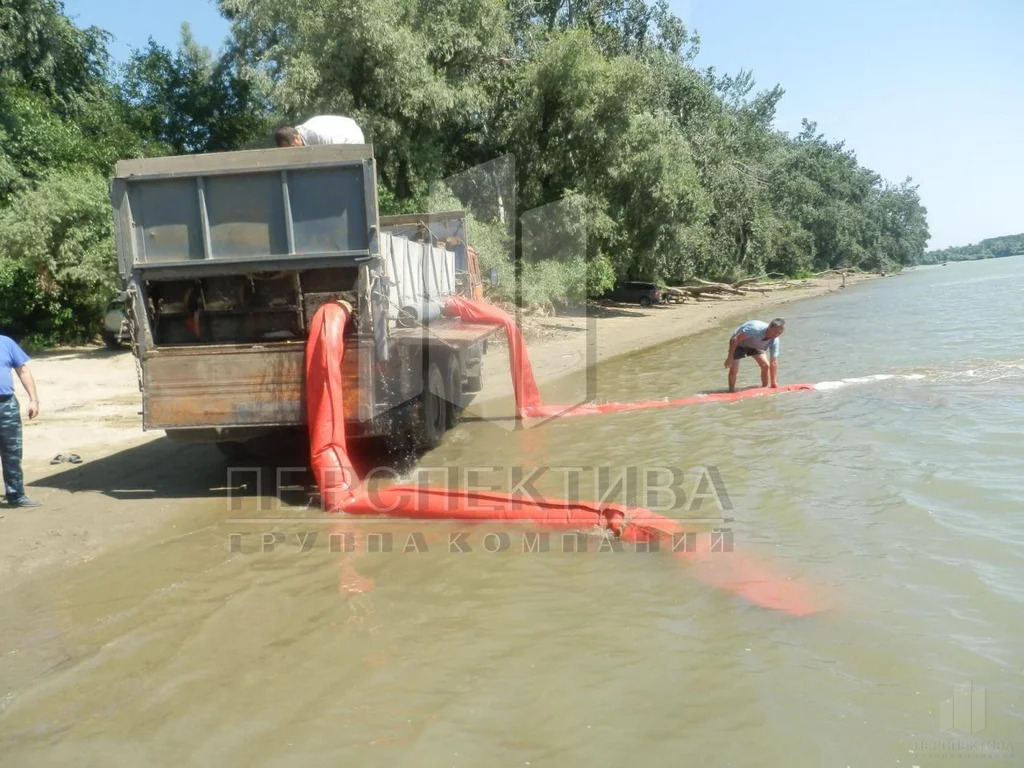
(241, 386)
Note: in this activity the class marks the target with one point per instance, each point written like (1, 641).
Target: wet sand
(131, 484)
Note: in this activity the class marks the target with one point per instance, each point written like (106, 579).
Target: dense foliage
(992, 248)
(580, 133)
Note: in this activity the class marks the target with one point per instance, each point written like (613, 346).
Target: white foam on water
(825, 386)
(997, 370)
(986, 373)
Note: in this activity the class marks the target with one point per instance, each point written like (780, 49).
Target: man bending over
(753, 339)
(322, 129)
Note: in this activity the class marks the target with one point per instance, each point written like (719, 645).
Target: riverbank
(132, 484)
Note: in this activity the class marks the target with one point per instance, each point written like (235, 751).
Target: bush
(57, 258)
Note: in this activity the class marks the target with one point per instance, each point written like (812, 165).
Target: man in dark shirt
(13, 358)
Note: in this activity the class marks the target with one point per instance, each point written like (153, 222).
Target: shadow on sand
(168, 469)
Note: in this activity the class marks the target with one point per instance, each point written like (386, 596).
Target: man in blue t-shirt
(13, 358)
(753, 339)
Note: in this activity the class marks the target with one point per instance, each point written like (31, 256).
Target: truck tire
(432, 421)
(454, 398)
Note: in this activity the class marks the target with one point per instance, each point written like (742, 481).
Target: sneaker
(24, 501)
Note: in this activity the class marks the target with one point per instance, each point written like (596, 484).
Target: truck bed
(453, 333)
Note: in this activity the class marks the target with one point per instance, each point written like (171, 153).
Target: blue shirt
(754, 332)
(11, 356)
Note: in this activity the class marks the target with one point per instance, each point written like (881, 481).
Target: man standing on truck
(13, 358)
(753, 339)
(322, 129)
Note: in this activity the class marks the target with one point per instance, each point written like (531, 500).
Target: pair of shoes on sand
(71, 458)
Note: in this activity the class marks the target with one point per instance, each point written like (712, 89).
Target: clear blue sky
(932, 89)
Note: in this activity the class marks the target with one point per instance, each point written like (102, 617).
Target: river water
(893, 494)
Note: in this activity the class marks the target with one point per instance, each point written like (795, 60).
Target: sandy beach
(132, 484)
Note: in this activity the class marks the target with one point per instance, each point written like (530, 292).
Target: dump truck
(225, 259)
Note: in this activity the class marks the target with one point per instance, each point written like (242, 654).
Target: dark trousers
(10, 447)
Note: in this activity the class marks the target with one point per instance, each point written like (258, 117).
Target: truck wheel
(433, 410)
(111, 340)
(454, 399)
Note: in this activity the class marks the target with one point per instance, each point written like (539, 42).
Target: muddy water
(894, 493)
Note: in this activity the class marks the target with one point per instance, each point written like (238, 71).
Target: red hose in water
(524, 386)
(341, 493)
(591, 409)
(325, 415)
(735, 572)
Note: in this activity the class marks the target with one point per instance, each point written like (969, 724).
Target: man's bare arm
(29, 384)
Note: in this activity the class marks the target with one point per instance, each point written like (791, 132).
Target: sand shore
(132, 484)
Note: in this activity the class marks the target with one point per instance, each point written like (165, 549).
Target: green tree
(61, 131)
(658, 170)
(189, 101)
(992, 248)
(416, 76)
(61, 233)
(43, 51)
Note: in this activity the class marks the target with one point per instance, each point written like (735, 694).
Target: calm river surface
(895, 493)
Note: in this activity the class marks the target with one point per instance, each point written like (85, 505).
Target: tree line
(991, 248)
(591, 109)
